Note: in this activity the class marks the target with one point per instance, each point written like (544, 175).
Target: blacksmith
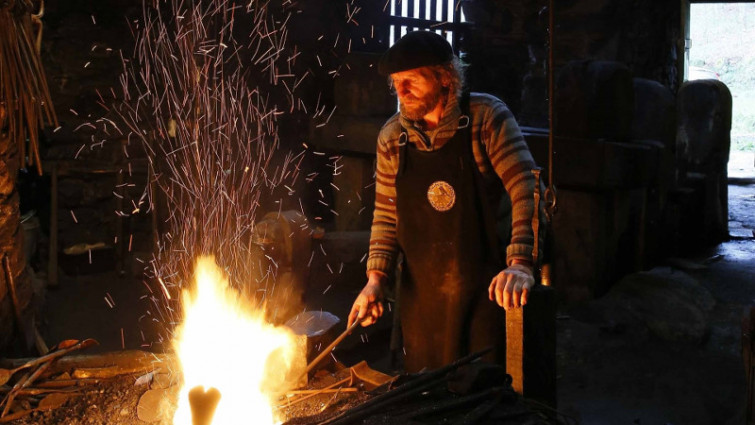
(444, 162)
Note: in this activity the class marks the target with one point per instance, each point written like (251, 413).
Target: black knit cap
(414, 50)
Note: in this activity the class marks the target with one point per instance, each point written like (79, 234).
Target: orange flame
(222, 344)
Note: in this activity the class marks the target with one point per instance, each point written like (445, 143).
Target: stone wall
(508, 48)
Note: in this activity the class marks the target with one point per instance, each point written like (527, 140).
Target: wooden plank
(531, 346)
(515, 348)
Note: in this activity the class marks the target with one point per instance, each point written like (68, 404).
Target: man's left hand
(511, 287)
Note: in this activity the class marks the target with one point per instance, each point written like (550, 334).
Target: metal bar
(536, 222)
(456, 35)
(322, 391)
(475, 399)
(400, 393)
(427, 23)
(330, 347)
(346, 381)
(551, 72)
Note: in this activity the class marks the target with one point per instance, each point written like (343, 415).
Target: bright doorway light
(722, 36)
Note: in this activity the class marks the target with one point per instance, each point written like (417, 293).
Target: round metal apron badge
(441, 196)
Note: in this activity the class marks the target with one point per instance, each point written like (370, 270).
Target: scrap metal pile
(464, 392)
(33, 389)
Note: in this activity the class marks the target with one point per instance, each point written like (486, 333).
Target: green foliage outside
(723, 40)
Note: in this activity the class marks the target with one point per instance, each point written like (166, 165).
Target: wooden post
(52, 263)
(515, 348)
(531, 346)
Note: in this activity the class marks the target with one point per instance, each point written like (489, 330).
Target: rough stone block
(702, 152)
(654, 116)
(597, 238)
(704, 125)
(596, 164)
(594, 100)
(672, 304)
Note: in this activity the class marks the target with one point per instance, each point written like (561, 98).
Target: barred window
(444, 17)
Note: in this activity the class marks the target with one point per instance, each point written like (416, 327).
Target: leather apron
(450, 256)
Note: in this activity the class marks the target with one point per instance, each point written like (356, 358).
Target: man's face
(418, 91)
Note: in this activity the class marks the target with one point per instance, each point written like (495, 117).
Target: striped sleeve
(512, 161)
(383, 243)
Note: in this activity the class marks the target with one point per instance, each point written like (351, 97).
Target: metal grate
(445, 17)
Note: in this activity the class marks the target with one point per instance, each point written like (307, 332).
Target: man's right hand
(368, 306)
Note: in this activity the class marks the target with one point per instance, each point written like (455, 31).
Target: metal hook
(551, 204)
(403, 138)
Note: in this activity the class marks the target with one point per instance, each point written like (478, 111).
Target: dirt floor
(611, 374)
(608, 372)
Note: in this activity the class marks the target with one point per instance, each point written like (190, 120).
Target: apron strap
(403, 140)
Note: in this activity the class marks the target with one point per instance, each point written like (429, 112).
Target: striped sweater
(498, 147)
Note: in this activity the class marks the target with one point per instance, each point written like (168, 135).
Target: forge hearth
(133, 387)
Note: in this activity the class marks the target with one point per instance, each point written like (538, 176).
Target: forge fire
(223, 343)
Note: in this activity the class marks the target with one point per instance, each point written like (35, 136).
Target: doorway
(721, 36)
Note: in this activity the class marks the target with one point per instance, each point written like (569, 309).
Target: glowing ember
(225, 345)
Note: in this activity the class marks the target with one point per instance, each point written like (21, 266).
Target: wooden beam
(531, 346)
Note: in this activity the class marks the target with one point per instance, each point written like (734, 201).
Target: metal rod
(551, 100)
(536, 222)
(330, 347)
(322, 391)
(402, 392)
(290, 403)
